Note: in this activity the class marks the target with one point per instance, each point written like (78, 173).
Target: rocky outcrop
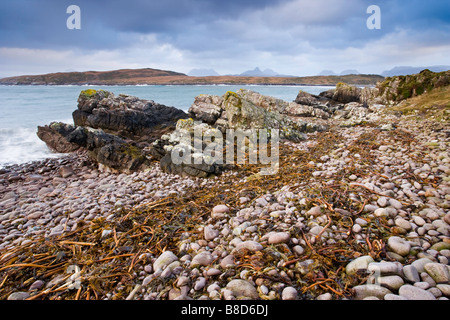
(245, 109)
(123, 115)
(107, 149)
(194, 162)
(115, 130)
(395, 89)
(206, 108)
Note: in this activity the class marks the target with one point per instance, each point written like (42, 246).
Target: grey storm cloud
(178, 33)
(204, 25)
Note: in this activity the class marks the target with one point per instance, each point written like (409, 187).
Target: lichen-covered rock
(245, 109)
(345, 93)
(206, 108)
(398, 88)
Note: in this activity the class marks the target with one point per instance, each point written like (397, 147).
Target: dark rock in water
(123, 115)
(104, 122)
(63, 138)
(107, 149)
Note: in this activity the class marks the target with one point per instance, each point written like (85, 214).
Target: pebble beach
(356, 212)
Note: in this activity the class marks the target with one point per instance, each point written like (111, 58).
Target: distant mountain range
(343, 73)
(160, 77)
(203, 73)
(257, 72)
(406, 70)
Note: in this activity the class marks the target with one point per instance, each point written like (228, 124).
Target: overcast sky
(295, 37)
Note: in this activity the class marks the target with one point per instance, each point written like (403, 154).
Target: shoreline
(214, 232)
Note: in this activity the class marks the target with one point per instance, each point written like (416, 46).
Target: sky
(293, 37)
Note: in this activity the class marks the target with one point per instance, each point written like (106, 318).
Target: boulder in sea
(107, 149)
(124, 115)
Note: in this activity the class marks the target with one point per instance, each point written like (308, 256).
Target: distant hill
(90, 77)
(343, 73)
(349, 71)
(162, 77)
(327, 73)
(258, 73)
(202, 73)
(406, 70)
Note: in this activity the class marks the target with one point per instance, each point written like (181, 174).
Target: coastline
(117, 227)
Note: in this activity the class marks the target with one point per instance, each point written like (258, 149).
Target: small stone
(299, 250)
(66, 171)
(316, 230)
(289, 293)
(414, 293)
(391, 282)
(447, 218)
(381, 212)
(279, 237)
(419, 221)
(210, 233)
(411, 273)
(394, 297)
(221, 208)
(445, 289)
(383, 267)
(37, 285)
(325, 296)
(249, 245)
(402, 223)
(441, 246)
(18, 296)
(422, 285)
(438, 272)
(148, 268)
(314, 211)
(200, 283)
(227, 262)
(382, 202)
(356, 228)
(369, 290)
(213, 272)
(35, 215)
(395, 203)
(243, 200)
(419, 264)
(359, 264)
(264, 290)
(262, 202)
(106, 233)
(164, 260)
(361, 222)
(204, 258)
(242, 288)
(399, 245)
(182, 281)
(427, 278)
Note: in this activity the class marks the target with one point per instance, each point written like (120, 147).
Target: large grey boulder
(123, 115)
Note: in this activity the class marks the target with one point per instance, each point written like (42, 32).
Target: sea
(23, 108)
